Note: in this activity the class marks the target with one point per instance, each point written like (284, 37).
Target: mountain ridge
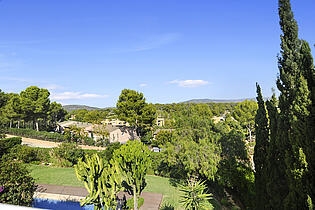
(217, 100)
(91, 108)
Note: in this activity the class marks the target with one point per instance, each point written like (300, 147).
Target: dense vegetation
(16, 184)
(30, 109)
(284, 153)
(213, 156)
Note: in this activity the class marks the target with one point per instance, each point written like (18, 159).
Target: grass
(54, 175)
(67, 177)
(164, 186)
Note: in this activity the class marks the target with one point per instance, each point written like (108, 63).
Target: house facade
(114, 133)
(120, 134)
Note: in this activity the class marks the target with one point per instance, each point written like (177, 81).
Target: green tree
(188, 158)
(3, 101)
(13, 109)
(276, 182)
(134, 159)
(132, 108)
(245, 113)
(234, 171)
(56, 113)
(261, 148)
(294, 104)
(307, 65)
(35, 104)
(162, 137)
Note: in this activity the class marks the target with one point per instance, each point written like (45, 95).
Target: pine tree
(262, 142)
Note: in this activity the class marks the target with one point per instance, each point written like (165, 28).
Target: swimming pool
(59, 205)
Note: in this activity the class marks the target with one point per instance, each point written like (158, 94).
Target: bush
(129, 203)
(66, 154)
(27, 154)
(162, 138)
(16, 184)
(160, 167)
(9, 143)
(43, 135)
(24, 153)
(43, 154)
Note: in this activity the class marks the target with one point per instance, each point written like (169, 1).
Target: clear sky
(86, 52)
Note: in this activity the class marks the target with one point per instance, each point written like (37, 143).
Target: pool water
(59, 205)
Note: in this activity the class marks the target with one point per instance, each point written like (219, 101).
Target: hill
(76, 107)
(217, 100)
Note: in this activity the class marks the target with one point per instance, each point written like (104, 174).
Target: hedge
(42, 135)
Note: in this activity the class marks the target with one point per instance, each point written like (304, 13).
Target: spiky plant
(194, 196)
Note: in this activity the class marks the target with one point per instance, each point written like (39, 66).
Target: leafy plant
(17, 185)
(194, 196)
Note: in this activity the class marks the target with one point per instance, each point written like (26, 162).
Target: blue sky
(86, 52)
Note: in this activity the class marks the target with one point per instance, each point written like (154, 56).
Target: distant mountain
(76, 107)
(217, 100)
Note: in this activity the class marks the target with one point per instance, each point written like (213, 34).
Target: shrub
(66, 154)
(43, 154)
(43, 135)
(25, 154)
(16, 184)
(9, 143)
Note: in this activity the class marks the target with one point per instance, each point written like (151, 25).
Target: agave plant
(193, 195)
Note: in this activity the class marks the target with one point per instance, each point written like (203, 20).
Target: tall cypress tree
(294, 104)
(308, 69)
(290, 160)
(261, 147)
(277, 188)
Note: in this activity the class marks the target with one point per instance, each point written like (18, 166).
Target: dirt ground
(48, 144)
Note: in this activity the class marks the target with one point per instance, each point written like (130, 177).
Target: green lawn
(54, 175)
(67, 177)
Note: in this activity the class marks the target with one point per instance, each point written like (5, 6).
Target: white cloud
(75, 95)
(189, 83)
(143, 85)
